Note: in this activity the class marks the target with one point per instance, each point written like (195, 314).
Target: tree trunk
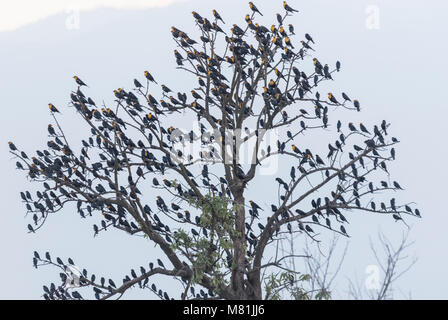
(239, 248)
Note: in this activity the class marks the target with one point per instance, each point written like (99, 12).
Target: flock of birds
(264, 67)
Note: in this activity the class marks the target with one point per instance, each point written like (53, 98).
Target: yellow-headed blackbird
(96, 114)
(273, 29)
(295, 149)
(332, 98)
(151, 99)
(317, 63)
(190, 41)
(166, 89)
(149, 77)
(201, 68)
(282, 31)
(196, 105)
(248, 86)
(52, 108)
(79, 81)
(254, 206)
(288, 8)
(254, 8)
(118, 94)
(288, 42)
(178, 55)
(306, 45)
(150, 117)
(278, 73)
(271, 83)
(217, 28)
(217, 16)
(237, 30)
(12, 146)
(201, 82)
(175, 32)
(195, 95)
(247, 18)
(164, 104)
(174, 100)
(277, 42)
(196, 15)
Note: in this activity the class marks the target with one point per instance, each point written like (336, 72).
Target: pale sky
(397, 68)
(20, 13)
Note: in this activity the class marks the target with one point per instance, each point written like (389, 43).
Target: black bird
(306, 45)
(254, 206)
(196, 15)
(397, 185)
(254, 8)
(165, 88)
(291, 29)
(309, 38)
(279, 18)
(79, 81)
(160, 263)
(351, 127)
(217, 16)
(363, 128)
(288, 8)
(52, 108)
(137, 84)
(338, 125)
(293, 173)
(12, 146)
(149, 76)
(356, 104)
(308, 228)
(332, 98)
(346, 98)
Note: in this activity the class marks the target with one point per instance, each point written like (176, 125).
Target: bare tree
(254, 83)
(323, 268)
(394, 262)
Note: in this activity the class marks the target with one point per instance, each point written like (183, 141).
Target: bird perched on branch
(332, 98)
(217, 16)
(137, 84)
(288, 8)
(52, 108)
(149, 77)
(254, 8)
(309, 38)
(79, 81)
